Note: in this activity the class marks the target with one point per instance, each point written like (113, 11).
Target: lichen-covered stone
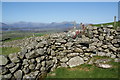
(3, 60)
(75, 61)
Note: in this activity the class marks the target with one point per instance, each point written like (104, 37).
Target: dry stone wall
(46, 53)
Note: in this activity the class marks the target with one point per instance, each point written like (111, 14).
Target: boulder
(18, 74)
(3, 60)
(14, 58)
(75, 61)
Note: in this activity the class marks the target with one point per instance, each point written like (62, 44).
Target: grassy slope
(110, 23)
(9, 50)
(86, 71)
(17, 36)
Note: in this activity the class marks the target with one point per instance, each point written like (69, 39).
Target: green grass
(9, 50)
(111, 23)
(16, 38)
(86, 71)
(19, 36)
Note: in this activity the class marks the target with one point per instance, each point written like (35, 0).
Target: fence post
(115, 22)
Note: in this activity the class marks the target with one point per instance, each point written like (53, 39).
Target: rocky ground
(40, 55)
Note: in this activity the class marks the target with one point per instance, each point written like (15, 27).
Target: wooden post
(114, 21)
(74, 25)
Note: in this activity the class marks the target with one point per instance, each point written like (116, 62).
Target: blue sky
(47, 12)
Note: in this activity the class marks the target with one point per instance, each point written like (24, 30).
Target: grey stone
(113, 56)
(108, 54)
(3, 60)
(102, 61)
(12, 70)
(116, 60)
(114, 41)
(85, 58)
(43, 63)
(25, 62)
(105, 66)
(40, 51)
(11, 65)
(104, 46)
(38, 66)
(38, 59)
(18, 74)
(42, 69)
(101, 38)
(92, 48)
(3, 70)
(7, 76)
(85, 40)
(32, 66)
(73, 54)
(75, 61)
(49, 63)
(26, 70)
(95, 31)
(101, 53)
(32, 61)
(57, 44)
(14, 58)
(33, 75)
(99, 44)
(26, 77)
(78, 50)
(65, 59)
(112, 47)
(63, 65)
(21, 55)
(48, 51)
(91, 61)
(62, 41)
(69, 44)
(40, 45)
(110, 26)
(32, 54)
(67, 51)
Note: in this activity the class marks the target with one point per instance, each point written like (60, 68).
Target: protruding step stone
(75, 61)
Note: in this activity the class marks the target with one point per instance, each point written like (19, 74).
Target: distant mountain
(38, 26)
(4, 26)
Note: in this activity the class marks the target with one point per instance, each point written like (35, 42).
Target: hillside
(110, 23)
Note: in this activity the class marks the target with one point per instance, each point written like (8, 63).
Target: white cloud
(60, 0)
